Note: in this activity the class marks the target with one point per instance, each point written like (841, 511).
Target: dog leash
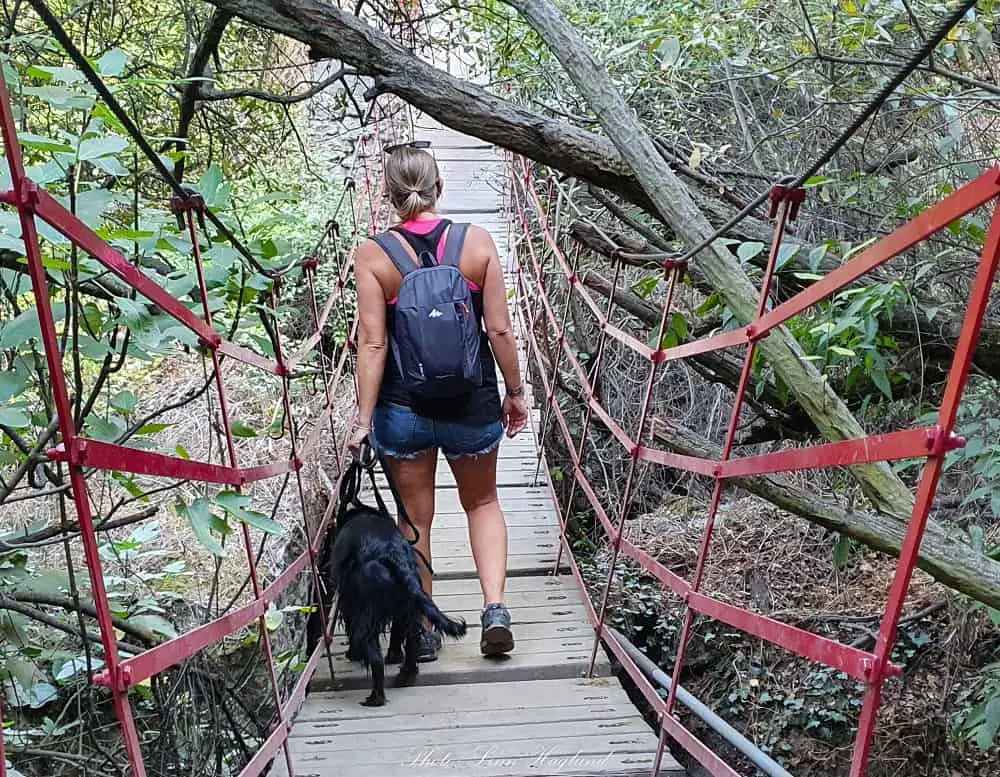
(368, 456)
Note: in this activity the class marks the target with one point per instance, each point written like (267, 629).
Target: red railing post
(939, 446)
(785, 202)
(188, 208)
(24, 194)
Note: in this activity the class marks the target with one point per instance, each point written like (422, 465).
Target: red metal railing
(930, 443)
(77, 452)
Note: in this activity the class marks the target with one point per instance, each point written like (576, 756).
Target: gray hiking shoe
(497, 637)
(428, 646)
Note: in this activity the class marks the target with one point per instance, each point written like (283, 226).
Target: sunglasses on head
(409, 144)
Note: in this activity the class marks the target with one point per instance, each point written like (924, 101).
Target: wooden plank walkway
(530, 713)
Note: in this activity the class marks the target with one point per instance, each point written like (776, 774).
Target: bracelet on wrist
(515, 392)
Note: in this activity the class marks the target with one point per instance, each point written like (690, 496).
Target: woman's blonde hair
(413, 181)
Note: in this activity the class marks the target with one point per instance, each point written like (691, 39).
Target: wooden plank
(515, 597)
(446, 568)
(514, 518)
(460, 533)
(433, 762)
(461, 662)
(442, 547)
(558, 583)
(513, 499)
(506, 476)
(485, 733)
(430, 722)
(570, 630)
(331, 705)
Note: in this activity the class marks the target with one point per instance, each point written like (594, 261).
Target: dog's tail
(452, 627)
(409, 576)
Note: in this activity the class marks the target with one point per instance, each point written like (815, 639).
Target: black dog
(373, 570)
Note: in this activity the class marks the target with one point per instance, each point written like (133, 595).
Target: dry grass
(775, 564)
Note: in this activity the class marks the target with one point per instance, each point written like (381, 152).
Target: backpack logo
(435, 314)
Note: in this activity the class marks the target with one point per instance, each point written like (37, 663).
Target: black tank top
(479, 406)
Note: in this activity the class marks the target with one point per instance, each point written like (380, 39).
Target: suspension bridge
(557, 705)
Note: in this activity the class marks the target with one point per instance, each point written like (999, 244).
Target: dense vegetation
(734, 95)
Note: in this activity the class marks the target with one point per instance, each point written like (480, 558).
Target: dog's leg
(354, 652)
(377, 696)
(408, 671)
(395, 652)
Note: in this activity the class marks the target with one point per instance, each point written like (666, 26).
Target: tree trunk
(672, 200)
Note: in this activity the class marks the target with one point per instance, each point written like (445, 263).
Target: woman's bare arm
(496, 316)
(371, 331)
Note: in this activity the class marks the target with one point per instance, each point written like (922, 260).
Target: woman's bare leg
(414, 479)
(477, 489)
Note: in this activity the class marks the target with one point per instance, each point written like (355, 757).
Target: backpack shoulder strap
(453, 244)
(396, 253)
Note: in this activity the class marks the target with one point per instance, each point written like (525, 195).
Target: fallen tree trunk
(942, 556)
(672, 200)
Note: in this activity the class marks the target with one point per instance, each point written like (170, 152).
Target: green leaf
(235, 504)
(153, 428)
(748, 251)
(881, 378)
(101, 146)
(60, 98)
(991, 725)
(679, 325)
(13, 418)
(181, 451)
(75, 666)
(232, 501)
(13, 381)
(41, 694)
(273, 618)
(646, 286)
(124, 401)
(669, 51)
(262, 522)
(20, 329)
(128, 483)
(112, 63)
(240, 429)
(41, 143)
(106, 430)
(785, 254)
(66, 75)
(155, 623)
(212, 188)
(200, 517)
(93, 204)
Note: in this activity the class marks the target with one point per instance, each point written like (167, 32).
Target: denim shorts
(402, 434)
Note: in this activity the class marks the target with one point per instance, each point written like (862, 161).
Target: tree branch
(66, 603)
(281, 99)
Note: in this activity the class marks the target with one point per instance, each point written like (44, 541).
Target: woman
(409, 430)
